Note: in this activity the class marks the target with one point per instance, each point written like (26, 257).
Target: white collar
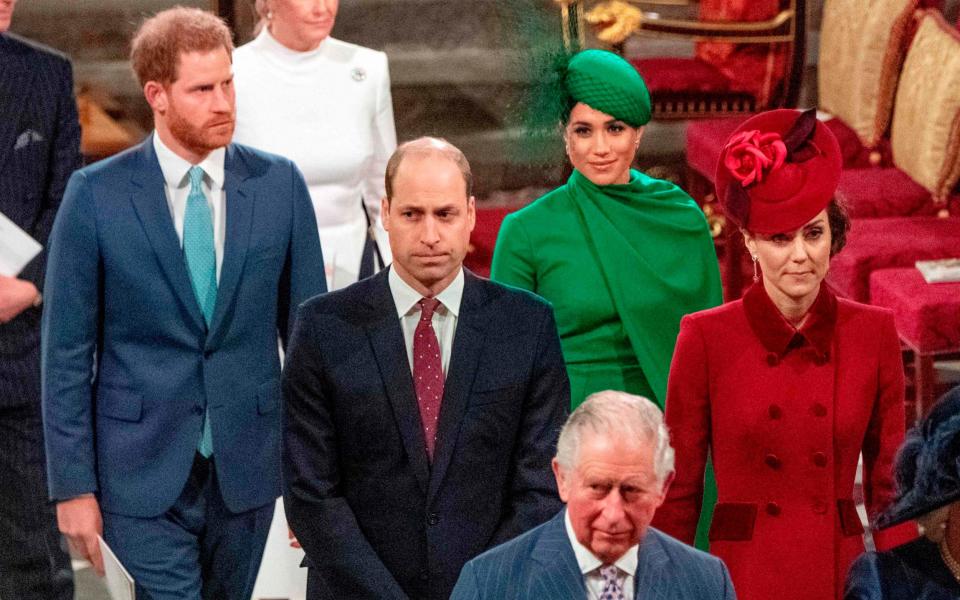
(588, 562)
(406, 298)
(175, 168)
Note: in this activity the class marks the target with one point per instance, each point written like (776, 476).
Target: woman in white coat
(326, 105)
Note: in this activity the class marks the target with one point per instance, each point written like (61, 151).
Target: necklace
(949, 560)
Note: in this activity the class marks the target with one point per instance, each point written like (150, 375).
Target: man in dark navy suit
(614, 465)
(39, 149)
(422, 404)
(173, 266)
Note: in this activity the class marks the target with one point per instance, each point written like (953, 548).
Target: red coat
(785, 414)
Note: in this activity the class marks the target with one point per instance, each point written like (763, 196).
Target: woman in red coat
(788, 385)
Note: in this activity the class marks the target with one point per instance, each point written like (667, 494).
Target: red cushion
(927, 314)
(705, 138)
(484, 238)
(874, 244)
(676, 74)
(883, 193)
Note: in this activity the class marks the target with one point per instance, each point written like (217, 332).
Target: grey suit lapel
(389, 349)
(239, 221)
(651, 577)
(556, 572)
(16, 81)
(149, 202)
(465, 355)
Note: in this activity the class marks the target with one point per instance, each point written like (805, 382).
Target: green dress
(621, 264)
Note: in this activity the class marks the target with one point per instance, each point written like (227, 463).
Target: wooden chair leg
(925, 382)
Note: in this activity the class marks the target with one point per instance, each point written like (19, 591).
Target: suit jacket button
(820, 459)
(773, 461)
(819, 410)
(424, 576)
(773, 509)
(433, 519)
(772, 359)
(198, 410)
(775, 412)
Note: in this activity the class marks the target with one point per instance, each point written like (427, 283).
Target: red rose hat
(777, 171)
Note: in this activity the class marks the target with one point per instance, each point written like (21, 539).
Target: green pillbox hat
(606, 82)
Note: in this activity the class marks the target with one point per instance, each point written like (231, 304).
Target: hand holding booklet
(17, 248)
(119, 583)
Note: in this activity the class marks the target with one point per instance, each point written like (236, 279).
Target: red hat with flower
(777, 171)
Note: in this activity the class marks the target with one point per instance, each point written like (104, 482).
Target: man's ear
(666, 487)
(561, 479)
(156, 95)
(385, 213)
(472, 211)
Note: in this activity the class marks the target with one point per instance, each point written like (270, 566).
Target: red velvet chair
(928, 322)
(748, 53)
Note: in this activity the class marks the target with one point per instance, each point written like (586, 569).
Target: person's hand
(79, 520)
(293, 539)
(16, 296)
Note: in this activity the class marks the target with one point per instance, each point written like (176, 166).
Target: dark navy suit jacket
(129, 365)
(376, 519)
(541, 564)
(39, 149)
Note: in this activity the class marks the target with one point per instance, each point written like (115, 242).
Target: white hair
(611, 413)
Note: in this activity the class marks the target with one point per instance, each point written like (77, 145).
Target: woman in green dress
(620, 255)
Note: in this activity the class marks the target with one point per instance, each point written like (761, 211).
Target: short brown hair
(427, 146)
(156, 47)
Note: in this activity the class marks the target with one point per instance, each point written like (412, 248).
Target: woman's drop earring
(756, 276)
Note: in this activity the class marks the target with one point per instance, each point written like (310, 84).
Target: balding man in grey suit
(613, 467)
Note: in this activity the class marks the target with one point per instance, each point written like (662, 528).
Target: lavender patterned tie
(612, 589)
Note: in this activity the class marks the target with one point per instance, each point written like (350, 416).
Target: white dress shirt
(590, 565)
(176, 185)
(444, 318)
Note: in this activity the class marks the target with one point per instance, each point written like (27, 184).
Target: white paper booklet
(119, 583)
(944, 270)
(17, 248)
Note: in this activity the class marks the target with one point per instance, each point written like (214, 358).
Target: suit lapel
(649, 581)
(239, 220)
(557, 574)
(389, 349)
(149, 201)
(467, 345)
(16, 81)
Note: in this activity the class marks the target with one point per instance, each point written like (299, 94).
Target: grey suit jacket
(541, 564)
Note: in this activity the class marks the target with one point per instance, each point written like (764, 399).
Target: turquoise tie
(201, 256)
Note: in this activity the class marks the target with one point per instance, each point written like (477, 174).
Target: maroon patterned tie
(428, 372)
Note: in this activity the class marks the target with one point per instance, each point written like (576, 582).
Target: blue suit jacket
(39, 149)
(128, 363)
(541, 564)
(375, 517)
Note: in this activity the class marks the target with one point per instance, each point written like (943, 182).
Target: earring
(756, 276)
(269, 15)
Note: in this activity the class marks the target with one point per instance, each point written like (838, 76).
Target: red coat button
(820, 459)
(819, 410)
(773, 461)
(820, 507)
(773, 509)
(772, 359)
(775, 412)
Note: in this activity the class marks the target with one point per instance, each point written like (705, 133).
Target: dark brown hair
(427, 146)
(839, 222)
(156, 47)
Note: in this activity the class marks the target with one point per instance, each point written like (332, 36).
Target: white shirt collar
(589, 563)
(175, 168)
(405, 298)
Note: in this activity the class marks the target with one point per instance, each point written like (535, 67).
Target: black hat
(928, 464)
